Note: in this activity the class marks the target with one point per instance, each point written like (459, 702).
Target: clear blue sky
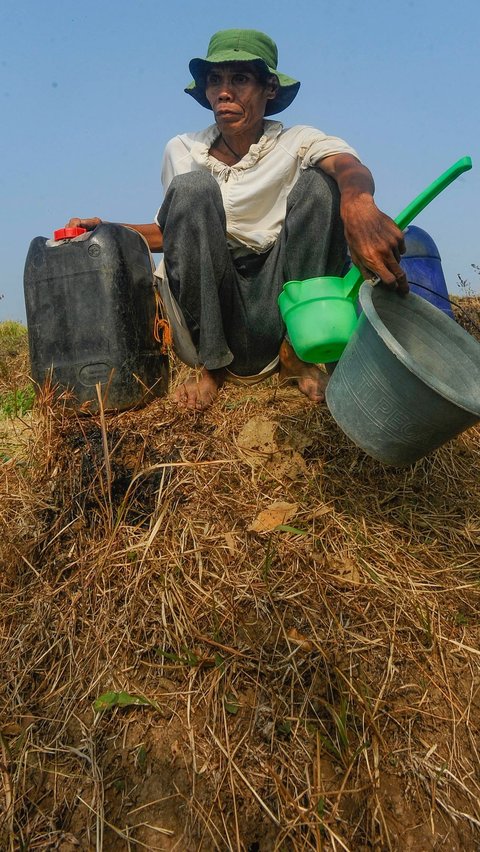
(91, 92)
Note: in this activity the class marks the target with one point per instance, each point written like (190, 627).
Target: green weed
(109, 700)
(231, 703)
(16, 403)
(189, 658)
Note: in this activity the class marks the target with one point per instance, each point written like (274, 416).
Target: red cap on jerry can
(68, 233)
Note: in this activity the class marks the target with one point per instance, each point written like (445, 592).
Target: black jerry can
(91, 317)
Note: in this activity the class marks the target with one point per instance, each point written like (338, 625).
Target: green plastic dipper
(320, 312)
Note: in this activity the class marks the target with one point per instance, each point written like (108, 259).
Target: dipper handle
(354, 277)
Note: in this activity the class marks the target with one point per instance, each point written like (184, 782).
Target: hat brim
(287, 88)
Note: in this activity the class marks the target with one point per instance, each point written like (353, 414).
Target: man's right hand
(150, 231)
(89, 224)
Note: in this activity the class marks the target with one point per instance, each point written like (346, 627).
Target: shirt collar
(201, 147)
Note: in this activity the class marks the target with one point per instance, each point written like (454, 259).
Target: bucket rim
(446, 391)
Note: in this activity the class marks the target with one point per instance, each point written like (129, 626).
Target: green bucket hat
(242, 46)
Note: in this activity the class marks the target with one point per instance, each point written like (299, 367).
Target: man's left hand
(375, 241)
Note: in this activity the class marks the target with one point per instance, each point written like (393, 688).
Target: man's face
(237, 97)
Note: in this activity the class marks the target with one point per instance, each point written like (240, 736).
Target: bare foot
(198, 393)
(310, 379)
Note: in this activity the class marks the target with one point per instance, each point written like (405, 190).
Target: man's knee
(315, 187)
(194, 190)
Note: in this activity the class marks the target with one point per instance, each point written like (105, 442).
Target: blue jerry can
(423, 268)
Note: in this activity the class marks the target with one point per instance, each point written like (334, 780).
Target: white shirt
(255, 190)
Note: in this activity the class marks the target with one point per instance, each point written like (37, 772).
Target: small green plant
(16, 403)
(141, 759)
(219, 663)
(231, 703)
(109, 700)
(189, 658)
(284, 728)
(340, 742)
(426, 628)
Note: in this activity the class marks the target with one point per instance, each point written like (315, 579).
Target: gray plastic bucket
(408, 379)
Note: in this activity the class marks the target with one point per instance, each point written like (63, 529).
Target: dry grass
(314, 686)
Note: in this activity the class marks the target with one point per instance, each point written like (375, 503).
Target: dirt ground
(235, 631)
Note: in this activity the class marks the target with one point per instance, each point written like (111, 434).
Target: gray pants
(230, 305)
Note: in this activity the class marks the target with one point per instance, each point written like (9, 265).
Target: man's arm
(150, 231)
(374, 240)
